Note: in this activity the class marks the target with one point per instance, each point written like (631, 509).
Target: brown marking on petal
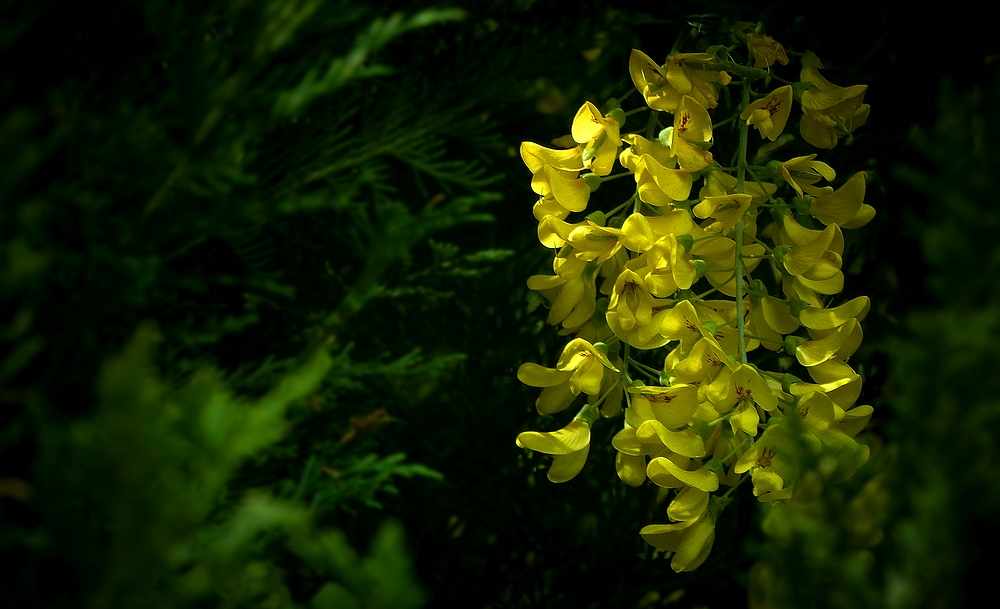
(660, 398)
(685, 119)
(766, 456)
(772, 106)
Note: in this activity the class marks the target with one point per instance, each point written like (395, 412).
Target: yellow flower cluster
(668, 294)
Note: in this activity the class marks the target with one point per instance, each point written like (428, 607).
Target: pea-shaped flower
(580, 369)
(569, 447)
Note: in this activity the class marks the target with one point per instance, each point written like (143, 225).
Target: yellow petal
(843, 204)
(695, 546)
(536, 157)
(671, 184)
(800, 259)
(587, 124)
(665, 536)
(685, 443)
(570, 439)
(534, 375)
(570, 191)
(825, 319)
(688, 504)
(812, 353)
(662, 470)
(631, 469)
(566, 467)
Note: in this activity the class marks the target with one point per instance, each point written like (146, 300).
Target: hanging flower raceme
(668, 292)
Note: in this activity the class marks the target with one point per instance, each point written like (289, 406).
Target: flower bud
(792, 343)
(592, 180)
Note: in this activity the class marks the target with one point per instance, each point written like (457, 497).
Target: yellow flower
(830, 111)
(690, 540)
(683, 74)
(765, 50)
(745, 389)
(727, 210)
(690, 135)
(814, 260)
(803, 172)
(718, 183)
(660, 184)
(844, 206)
(631, 314)
(599, 135)
(572, 301)
(580, 369)
(770, 113)
(776, 462)
(840, 342)
(569, 447)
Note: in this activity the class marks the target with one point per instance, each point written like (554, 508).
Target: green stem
(645, 368)
(623, 205)
(651, 125)
(730, 455)
(761, 338)
(616, 176)
(725, 122)
(725, 496)
(741, 188)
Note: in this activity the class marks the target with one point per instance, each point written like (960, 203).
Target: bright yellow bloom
(830, 111)
(770, 113)
(665, 267)
(683, 74)
(718, 183)
(631, 314)
(580, 369)
(802, 172)
(536, 157)
(690, 540)
(660, 182)
(745, 389)
(720, 253)
(569, 446)
(814, 260)
(775, 460)
(600, 137)
(727, 210)
(771, 319)
(844, 206)
(841, 342)
(572, 302)
(672, 406)
(690, 135)
(666, 472)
